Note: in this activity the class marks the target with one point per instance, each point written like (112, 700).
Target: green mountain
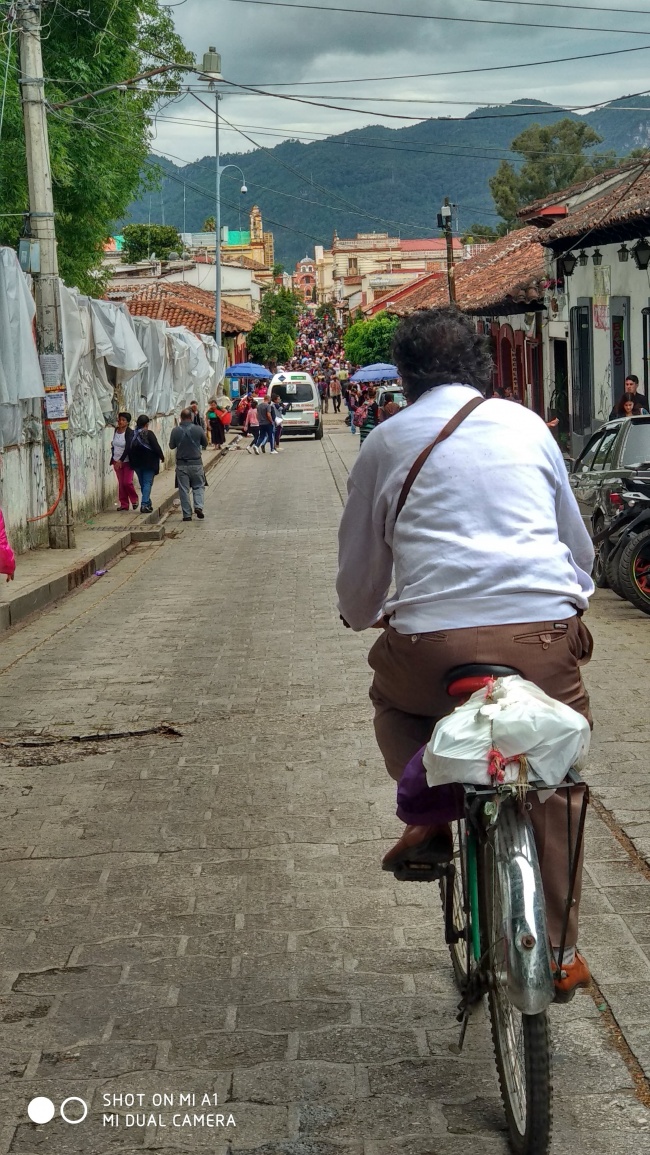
(372, 178)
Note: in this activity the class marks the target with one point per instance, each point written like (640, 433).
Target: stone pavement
(203, 914)
(44, 575)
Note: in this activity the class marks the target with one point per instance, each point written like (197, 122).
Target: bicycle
(495, 927)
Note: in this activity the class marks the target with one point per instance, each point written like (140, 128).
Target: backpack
(360, 415)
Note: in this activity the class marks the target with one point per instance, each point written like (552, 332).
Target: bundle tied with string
(505, 734)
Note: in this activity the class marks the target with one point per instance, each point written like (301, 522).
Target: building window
(353, 266)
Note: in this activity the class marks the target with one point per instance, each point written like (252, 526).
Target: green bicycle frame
(472, 884)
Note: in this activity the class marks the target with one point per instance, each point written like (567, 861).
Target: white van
(301, 399)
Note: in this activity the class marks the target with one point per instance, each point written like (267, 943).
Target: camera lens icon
(42, 1110)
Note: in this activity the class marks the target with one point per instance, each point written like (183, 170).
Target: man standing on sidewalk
(188, 439)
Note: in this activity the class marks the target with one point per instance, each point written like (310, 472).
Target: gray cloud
(265, 45)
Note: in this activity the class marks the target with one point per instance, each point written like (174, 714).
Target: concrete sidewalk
(45, 575)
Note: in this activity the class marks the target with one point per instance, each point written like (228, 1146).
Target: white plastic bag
(518, 718)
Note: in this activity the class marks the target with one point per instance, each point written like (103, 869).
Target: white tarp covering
(20, 373)
(90, 395)
(159, 369)
(218, 360)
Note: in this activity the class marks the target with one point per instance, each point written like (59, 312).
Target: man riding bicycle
(492, 564)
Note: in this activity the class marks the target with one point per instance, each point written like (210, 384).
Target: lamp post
(212, 73)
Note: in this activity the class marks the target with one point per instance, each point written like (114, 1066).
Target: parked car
(611, 480)
(301, 399)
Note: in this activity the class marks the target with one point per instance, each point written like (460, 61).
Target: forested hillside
(372, 178)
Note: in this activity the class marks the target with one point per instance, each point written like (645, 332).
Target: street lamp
(569, 262)
(212, 73)
(641, 254)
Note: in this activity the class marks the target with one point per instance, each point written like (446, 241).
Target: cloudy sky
(281, 47)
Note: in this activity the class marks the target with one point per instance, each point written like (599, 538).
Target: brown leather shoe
(421, 853)
(572, 976)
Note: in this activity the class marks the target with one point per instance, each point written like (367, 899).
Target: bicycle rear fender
(528, 957)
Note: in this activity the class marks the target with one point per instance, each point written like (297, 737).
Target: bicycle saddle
(473, 676)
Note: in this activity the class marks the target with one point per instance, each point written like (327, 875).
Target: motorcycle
(623, 552)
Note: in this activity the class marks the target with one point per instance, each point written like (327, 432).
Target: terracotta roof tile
(562, 195)
(625, 205)
(182, 304)
(503, 276)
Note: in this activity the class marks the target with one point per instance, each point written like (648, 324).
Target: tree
(477, 233)
(141, 241)
(273, 337)
(99, 148)
(209, 225)
(367, 342)
(278, 269)
(554, 158)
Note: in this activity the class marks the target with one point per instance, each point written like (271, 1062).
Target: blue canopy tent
(246, 370)
(249, 369)
(378, 372)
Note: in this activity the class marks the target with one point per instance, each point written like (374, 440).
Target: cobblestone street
(204, 913)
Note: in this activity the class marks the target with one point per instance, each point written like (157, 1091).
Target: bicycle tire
(459, 951)
(634, 571)
(521, 1042)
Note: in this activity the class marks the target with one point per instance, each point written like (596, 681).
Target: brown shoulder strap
(442, 436)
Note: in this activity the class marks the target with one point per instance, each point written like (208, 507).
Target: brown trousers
(409, 695)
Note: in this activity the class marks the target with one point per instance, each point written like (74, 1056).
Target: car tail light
(616, 500)
(316, 414)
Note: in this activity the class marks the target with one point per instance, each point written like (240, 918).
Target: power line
(533, 107)
(322, 188)
(209, 193)
(399, 115)
(445, 19)
(380, 143)
(6, 78)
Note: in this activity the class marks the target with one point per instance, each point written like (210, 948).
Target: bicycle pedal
(424, 872)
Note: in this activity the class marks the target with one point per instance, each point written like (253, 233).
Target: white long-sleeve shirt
(490, 533)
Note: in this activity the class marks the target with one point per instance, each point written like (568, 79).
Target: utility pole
(444, 223)
(45, 272)
(212, 73)
(217, 226)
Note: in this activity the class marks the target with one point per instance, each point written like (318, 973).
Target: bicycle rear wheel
(454, 890)
(521, 1042)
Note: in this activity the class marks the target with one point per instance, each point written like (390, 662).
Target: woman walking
(217, 431)
(145, 456)
(121, 463)
(252, 425)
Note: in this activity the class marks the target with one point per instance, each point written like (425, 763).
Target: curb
(20, 607)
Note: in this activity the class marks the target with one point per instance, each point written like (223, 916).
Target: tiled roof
(565, 194)
(244, 263)
(181, 304)
(505, 276)
(625, 205)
